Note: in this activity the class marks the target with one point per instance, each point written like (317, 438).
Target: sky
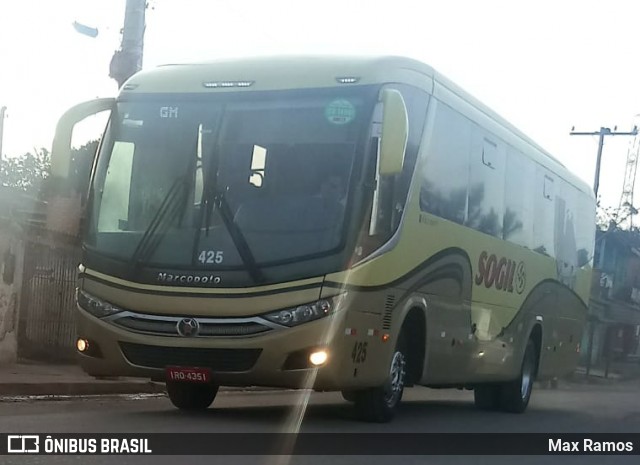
(544, 65)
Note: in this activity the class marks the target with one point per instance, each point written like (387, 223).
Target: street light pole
(602, 133)
(596, 181)
(128, 60)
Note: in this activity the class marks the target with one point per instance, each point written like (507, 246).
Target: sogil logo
(501, 273)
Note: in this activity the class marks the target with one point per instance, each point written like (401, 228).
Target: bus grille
(168, 328)
(225, 360)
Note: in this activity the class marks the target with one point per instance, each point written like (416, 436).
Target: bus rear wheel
(192, 397)
(380, 404)
(514, 396)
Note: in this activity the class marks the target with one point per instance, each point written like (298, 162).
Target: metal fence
(46, 328)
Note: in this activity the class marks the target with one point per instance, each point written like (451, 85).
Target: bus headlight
(300, 314)
(95, 306)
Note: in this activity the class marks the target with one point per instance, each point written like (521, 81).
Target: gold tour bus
(354, 224)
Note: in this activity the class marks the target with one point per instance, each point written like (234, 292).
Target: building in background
(613, 330)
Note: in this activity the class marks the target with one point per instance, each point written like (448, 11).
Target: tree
(81, 164)
(607, 217)
(27, 172)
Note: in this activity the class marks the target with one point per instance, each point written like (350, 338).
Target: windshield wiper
(213, 199)
(237, 237)
(171, 206)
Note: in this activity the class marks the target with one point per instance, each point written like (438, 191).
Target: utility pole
(602, 133)
(2, 110)
(128, 60)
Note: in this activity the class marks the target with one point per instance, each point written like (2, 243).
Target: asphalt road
(569, 409)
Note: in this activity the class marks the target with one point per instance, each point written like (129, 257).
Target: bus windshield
(228, 181)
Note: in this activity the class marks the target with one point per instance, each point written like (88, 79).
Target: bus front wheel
(379, 404)
(187, 396)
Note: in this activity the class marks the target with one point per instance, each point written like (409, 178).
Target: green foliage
(607, 217)
(81, 164)
(27, 172)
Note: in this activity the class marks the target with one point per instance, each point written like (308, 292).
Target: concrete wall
(11, 265)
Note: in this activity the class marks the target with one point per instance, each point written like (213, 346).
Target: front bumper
(257, 360)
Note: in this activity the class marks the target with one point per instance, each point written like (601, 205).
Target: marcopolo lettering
(187, 279)
(501, 273)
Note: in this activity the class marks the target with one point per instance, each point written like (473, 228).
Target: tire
(487, 397)
(379, 404)
(192, 397)
(514, 396)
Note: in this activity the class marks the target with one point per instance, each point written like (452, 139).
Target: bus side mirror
(391, 149)
(61, 149)
(395, 131)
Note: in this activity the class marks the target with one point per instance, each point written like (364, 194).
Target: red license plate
(188, 374)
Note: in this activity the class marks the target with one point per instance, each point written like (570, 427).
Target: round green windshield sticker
(340, 112)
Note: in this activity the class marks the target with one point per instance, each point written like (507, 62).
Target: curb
(106, 388)
(580, 379)
(80, 388)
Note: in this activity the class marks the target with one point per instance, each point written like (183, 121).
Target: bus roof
(309, 71)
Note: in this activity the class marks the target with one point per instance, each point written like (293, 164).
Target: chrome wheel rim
(396, 379)
(527, 378)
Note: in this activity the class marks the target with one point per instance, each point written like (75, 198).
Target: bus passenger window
(548, 188)
(544, 214)
(489, 153)
(441, 194)
(519, 189)
(486, 186)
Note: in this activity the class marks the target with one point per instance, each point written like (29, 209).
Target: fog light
(318, 358)
(82, 345)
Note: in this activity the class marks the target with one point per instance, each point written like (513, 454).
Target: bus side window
(442, 194)
(566, 251)
(585, 229)
(486, 183)
(544, 214)
(489, 153)
(519, 191)
(548, 188)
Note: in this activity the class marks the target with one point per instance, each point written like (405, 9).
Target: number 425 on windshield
(211, 256)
